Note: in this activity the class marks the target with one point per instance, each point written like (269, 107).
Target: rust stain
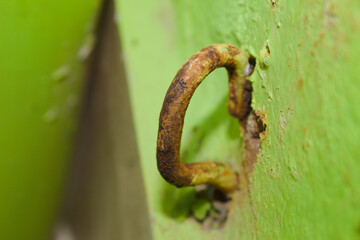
(183, 86)
(254, 130)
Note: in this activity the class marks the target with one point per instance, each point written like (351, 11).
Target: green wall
(43, 47)
(304, 185)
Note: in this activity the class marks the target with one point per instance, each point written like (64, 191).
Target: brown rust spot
(274, 3)
(299, 83)
(254, 130)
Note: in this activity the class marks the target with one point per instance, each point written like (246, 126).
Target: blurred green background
(43, 47)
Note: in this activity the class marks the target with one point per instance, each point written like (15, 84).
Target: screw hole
(251, 66)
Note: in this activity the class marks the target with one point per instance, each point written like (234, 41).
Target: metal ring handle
(177, 99)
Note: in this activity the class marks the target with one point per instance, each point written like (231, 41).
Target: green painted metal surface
(304, 185)
(43, 46)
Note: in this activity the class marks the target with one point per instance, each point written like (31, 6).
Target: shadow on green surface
(179, 203)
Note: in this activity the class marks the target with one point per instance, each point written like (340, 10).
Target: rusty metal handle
(177, 99)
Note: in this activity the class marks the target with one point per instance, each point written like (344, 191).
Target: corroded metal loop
(177, 99)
